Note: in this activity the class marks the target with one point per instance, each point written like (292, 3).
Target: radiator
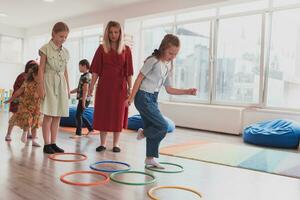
(223, 119)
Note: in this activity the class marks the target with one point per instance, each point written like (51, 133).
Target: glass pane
(151, 39)
(284, 67)
(243, 7)
(238, 59)
(196, 15)
(90, 45)
(285, 2)
(192, 62)
(73, 47)
(95, 30)
(158, 21)
(11, 49)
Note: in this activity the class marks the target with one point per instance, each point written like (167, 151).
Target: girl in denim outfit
(155, 73)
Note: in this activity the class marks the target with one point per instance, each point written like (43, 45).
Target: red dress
(13, 107)
(110, 112)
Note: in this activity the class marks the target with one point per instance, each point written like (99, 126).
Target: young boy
(84, 101)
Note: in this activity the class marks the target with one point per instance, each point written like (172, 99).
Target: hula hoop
(92, 166)
(52, 157)
(113, 175)
(106, 178)
(151, 191)
(164, 171)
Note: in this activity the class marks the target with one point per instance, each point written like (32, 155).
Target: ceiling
(28, 13)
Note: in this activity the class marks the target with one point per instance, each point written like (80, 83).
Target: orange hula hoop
(106, 178)
(53, 157)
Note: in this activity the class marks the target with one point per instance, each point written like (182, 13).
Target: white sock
(140, 134)
(151, 161)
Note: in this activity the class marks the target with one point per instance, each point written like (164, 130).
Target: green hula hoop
(113, 178)
(150, 167)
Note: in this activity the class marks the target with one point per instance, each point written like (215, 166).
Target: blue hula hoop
(92, 166)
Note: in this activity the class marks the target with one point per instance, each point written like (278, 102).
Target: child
(13, 107)
(28, 112)
(84, 101)
(54, 85)
(155, 73)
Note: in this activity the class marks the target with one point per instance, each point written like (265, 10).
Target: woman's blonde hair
(106, 41)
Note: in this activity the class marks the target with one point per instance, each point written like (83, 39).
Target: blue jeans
(155, 126)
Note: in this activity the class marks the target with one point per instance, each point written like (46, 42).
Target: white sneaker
(153, 163)
(35, 144)
(140, 134)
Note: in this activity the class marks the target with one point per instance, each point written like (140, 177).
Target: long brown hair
(106, 41)
(168, 41)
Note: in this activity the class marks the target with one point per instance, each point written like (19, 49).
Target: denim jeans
(155, 126)
(81, 118)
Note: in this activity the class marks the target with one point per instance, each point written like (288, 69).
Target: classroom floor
(27, 173)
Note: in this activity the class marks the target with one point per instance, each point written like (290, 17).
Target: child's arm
(73, 91)
(175, 91)
(91, 88)
(85, 88)
(136, 86)
(67, 80)
(15, 95)
(41, 89)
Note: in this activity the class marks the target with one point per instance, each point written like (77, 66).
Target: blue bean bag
(273, 133)
(71, 121)
(135, 122)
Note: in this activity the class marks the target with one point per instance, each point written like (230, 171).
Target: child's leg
(54, 130)
(86, 121)
(78, 118)
(9, 130)
(33, 133)
(46, 128)
(24, 135)
(155, 125)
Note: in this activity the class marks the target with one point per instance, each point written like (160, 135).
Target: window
(90, 45)
(237, 71)
(11, 49)
(192, 62)
(151, 39)
(284, 62)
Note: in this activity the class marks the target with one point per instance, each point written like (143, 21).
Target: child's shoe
(48, 149)
(57, 149)
(35, 144)
(152, 162)
(140, 134)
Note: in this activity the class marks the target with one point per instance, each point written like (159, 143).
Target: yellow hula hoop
(151, 191)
